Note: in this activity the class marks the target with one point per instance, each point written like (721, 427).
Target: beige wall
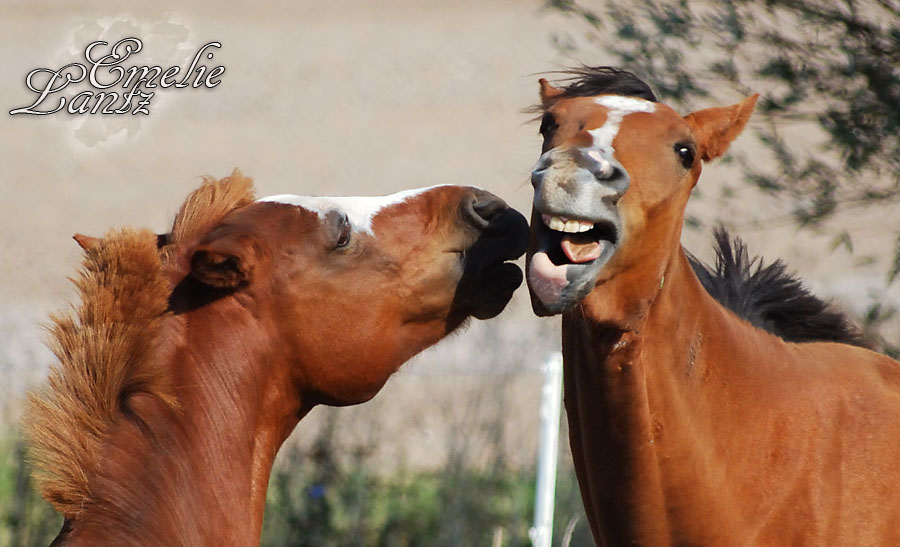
(317, 98)
(339, 97)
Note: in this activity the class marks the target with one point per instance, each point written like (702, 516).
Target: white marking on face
(359, 210)
(619, 107)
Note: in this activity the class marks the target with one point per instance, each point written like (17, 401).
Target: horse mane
(105, 347)
(770, 298)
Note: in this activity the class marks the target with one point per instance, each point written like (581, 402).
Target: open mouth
(566, 256)
(576, 241)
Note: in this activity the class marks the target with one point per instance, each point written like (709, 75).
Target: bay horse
(689, 424)
(194, 354)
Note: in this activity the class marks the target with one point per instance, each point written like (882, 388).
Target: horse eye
(548, 128)
(685, 154)
(338, 229)
(548, 125)
(344, 236)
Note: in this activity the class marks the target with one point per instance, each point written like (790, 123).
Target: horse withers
(690, 424)
(194, 354)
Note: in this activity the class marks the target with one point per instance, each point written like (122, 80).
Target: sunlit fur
(107, 349)
(193, 354)
(104, 350)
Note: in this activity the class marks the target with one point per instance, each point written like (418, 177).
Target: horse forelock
(105, 347)
(207, 205)
(590, 81)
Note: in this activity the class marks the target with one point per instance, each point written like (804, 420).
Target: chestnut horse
(195, 353)
(688, 424)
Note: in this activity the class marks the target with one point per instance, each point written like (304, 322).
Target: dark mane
(769, 297)
(589, 81)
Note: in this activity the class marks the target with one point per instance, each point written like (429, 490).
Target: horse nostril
(537, 174)
(602, 167)
(483, 206)
(610, 173)
(605, 170)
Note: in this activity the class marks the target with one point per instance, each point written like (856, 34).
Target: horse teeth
(561, 224)
(554, 223)
(576, 226)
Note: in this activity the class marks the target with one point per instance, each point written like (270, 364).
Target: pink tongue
(581, 252)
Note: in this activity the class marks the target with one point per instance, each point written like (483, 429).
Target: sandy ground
(343, 97)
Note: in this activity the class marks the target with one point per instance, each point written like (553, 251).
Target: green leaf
(842, 239)
(894, 271)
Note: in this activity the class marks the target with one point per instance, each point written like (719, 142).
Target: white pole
(541, 533)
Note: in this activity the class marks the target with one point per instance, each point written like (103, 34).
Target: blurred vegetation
(328, 496)
(325, 496)
(26, 520)
(832, 66)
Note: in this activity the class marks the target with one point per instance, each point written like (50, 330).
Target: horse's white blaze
(359, 210)
(619, 107)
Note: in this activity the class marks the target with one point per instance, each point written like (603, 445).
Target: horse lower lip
(488, 293)
(546, 279)
(504, 272)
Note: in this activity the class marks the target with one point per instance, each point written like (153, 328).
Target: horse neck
(630, 384)
(196, 475)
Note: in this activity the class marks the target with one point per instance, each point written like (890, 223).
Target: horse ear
(224, 263)
(548, 92)
(86, 242)
(715, 128)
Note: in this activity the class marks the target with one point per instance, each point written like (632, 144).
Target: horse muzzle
(489, 279)
(575, 224)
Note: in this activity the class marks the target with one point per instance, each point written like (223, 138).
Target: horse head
(355, 286)
(612, 182)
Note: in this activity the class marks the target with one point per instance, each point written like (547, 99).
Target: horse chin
(556, 289)
(493, 293)
(555, 283)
